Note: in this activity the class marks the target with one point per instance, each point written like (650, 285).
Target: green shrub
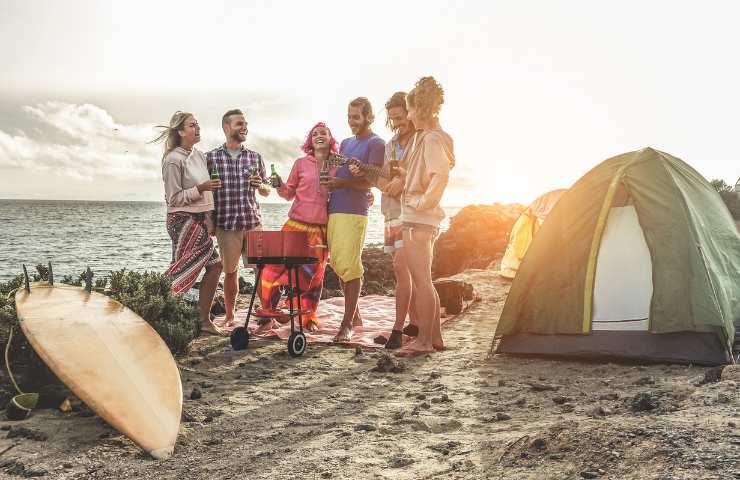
(731, 198)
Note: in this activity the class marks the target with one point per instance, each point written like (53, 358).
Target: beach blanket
(378, 314)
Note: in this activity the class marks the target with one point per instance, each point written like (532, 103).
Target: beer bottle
(393, 164)
(275, 180)
(214, 173)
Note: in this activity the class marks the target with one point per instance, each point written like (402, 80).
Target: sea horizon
(108, 235)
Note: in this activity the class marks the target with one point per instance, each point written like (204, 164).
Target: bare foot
(357, 321)
(344, 335)
(265, 325)
(311, 326)
(414, 348)
(229, 323)
(208, 328)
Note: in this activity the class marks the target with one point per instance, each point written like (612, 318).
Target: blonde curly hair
(427, 98)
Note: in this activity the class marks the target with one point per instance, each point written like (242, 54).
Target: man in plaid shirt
(242, 173)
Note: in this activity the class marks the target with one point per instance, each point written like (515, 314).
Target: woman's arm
(176, 195)
(288, 188)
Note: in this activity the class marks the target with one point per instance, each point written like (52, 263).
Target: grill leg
(298, 295)
(254, 292)
(290, 299)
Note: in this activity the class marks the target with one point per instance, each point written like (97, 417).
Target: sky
(536, 92)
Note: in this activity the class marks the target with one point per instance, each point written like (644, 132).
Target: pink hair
(308, 144)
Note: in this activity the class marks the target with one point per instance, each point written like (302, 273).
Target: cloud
(85, 142)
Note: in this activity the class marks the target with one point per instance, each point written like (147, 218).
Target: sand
(455, 414)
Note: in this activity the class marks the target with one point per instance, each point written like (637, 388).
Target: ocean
(107, 235)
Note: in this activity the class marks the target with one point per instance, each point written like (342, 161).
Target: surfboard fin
(51, 275)
(25, 278)
(88, 279)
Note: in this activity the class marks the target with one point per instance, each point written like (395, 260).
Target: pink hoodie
(302, 186)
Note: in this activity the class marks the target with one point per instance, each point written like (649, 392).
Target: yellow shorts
(232, 244)
(346, 237)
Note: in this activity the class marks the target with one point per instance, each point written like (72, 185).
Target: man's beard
(364, 127)
(236, 136)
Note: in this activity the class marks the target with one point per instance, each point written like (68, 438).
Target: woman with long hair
(188, 187)
(429, 160)
(307, 214)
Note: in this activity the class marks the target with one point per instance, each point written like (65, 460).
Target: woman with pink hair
(307, 214)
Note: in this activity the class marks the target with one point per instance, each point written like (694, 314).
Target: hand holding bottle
(209, 185)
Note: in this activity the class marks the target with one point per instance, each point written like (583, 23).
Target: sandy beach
(457, 414)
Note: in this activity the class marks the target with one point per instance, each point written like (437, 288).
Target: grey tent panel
(682, 347)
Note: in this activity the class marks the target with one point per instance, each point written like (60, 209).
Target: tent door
(623, 284)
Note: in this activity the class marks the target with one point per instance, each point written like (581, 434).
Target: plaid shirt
(235, 203)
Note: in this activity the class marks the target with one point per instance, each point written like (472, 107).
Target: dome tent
(524, 230)
(639, 259)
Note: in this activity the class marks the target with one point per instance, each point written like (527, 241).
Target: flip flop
(211, 330)
(343, 335)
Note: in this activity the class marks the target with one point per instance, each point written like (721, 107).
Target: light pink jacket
(302, 186)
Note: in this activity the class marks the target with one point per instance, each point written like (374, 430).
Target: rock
(378, 279)
(502, 383)
(400, 461)
(196, 394)
(23, 432)
(645, 381)
(560, 399)
(589, 474)
(478, 234)
(435, 375)
(16, 467)
(387, 363)
(723, 398)
(365, 427)
(600, 411)
(245, 286)
(567, 408)
(445, 447)
(187, 417)
(539, 443)
(442, 425)
(609, 396)
(452, 294)
(501, 416)
(219, 306)
(326, 475)
(421, 396)
(644, 401)
(425, 405)
(730, 372)
(556, 456)
(543, 387)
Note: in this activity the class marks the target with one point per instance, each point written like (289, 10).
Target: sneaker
(411, 330)
(395, 340)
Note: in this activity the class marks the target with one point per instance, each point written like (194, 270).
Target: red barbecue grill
(290, 249)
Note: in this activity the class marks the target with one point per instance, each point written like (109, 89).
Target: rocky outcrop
(478, 234)
(378, 279)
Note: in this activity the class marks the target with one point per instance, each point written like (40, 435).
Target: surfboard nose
(162, 453)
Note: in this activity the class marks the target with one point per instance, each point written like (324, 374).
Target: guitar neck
(365, 167)
(373, 170)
